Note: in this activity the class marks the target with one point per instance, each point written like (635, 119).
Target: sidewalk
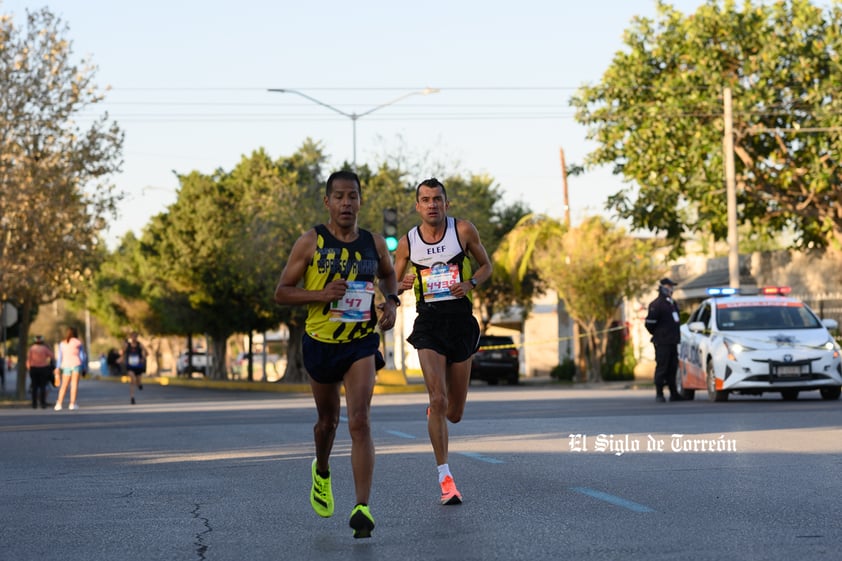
(388, 382)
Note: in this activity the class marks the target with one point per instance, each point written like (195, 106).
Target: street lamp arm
(316, 101)
(425, 91)
(355, 116)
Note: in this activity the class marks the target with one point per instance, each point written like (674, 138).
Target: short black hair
(342, 174)
(432, 182)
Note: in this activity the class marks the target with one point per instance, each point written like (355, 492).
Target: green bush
(622, 369)
(619, 358)
(565, 371)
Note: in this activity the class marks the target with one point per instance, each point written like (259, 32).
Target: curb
(274, 387)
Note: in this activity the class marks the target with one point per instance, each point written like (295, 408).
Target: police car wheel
(713, 393)
(682, 391)
(831, 393)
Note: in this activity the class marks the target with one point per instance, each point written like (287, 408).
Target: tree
(284, 200)
(53, 173)
(513, 281)
(218, 250)
(116, 292)
(593, 268)
(657, 116)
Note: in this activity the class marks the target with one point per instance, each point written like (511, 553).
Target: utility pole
(731, 192)
(575, 353)
(564, 186)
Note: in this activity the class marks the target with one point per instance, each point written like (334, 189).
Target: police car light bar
(775, 290)
(722, 291)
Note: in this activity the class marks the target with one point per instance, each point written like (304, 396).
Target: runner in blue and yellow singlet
(445, 332)
(332, 269)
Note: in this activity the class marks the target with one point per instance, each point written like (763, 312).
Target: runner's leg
(326, 397)
(458, 381)
(434, 368)
(359, 387)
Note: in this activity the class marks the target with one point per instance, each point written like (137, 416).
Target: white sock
(444, 471)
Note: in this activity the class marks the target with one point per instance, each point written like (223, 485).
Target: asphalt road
(546, 473)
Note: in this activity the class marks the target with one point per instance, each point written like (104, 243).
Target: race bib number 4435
(355, 305)
(436, 282)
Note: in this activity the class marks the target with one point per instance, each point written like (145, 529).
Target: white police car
(766, 342)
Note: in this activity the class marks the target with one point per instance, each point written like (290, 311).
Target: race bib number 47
(436, 282)
(355, 305)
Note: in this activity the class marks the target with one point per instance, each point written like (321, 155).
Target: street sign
(10, 315)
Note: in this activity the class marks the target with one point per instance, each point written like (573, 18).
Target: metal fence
(826, 306)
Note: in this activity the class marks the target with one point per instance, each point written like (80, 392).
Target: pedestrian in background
(69, 363)
(134, 359)
(113, 362)
(663, 322)
(40, 362)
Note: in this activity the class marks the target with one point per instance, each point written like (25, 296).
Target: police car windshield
(754, 318)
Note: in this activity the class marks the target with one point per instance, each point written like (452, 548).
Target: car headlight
(734, 348)
(830, 345)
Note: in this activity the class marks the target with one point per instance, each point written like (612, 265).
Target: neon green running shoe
(361, 521)
(321, 495)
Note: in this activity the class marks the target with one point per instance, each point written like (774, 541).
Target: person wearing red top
(39, 362)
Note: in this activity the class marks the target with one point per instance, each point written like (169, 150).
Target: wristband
(394, 298)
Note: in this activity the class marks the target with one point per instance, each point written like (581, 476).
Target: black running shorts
(327, 363)
(456, 336)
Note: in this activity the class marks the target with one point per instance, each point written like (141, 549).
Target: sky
(188, 83)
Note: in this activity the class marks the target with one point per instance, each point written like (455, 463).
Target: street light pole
(355, 116)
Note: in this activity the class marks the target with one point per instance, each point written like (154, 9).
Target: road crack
(201, 546)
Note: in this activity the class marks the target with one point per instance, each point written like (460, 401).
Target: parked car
(497, 359)
(199, 363)
(751, 344)
(272, 370)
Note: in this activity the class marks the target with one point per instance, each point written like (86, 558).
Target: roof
(696, 287)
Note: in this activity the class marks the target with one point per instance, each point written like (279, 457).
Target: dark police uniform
(662, 321)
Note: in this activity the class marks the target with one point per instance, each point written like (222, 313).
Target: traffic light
(390, 228)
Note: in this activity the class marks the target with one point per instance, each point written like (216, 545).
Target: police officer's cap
(667, 282)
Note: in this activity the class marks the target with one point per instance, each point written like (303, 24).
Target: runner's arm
(288, 290)
(385, 270)
(470, 237)
(405, 280)
(388, 284)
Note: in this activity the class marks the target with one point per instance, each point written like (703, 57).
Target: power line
(346, 89)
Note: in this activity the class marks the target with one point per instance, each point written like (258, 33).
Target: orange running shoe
(449, 494)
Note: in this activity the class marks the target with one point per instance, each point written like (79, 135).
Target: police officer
(663, 323)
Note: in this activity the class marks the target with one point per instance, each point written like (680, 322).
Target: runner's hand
(386, 321)
(334, 290)
(407, 282)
